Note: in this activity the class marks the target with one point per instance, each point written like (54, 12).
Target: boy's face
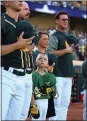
(42, 61)
(43, 42)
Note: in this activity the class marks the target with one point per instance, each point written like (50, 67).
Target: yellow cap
(66, 43)
(25, 49)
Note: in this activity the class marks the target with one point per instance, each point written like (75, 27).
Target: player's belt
(29, 71)
(18, 72)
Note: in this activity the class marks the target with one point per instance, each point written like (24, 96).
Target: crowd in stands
(78, 53)
(82, 5)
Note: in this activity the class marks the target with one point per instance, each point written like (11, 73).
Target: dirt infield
(75, 111)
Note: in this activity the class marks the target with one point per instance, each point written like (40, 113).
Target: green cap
(71, 39)
(48, 79)
(26, 27)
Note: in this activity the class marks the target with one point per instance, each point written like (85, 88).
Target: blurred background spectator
(82, 5)
(78, 53)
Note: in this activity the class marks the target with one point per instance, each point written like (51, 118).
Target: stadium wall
(45, 21)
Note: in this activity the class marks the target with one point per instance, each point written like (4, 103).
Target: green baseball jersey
(8, 36)
(37, 79)
(64, 65)
(40, 82)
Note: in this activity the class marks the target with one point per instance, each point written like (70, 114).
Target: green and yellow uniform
(42, 85)
(57, 41)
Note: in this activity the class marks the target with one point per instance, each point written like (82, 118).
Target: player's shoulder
(2, 20)
(53, 36)
(7, 22)
(4, 24)
(7, 18)
(36, 51)
(35, 73)
(52, 32)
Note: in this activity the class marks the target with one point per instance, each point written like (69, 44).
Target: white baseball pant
(13, 95)
(64, 86)
(42, 105)
(85, 105)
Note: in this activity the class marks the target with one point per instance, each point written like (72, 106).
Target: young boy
(43, 85)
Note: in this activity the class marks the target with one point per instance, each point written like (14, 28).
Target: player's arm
(53, 45)
(20, 44)
(62, 52)
(6, 49)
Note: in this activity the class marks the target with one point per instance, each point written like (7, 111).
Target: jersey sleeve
(53, 43)
(3, 29)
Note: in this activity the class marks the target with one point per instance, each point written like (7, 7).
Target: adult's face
(62, 22)
(14, 5)
(43, 42)
(25, 12)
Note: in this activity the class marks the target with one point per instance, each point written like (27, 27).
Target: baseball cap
(71, 39)
(48, 79)
(26, 27)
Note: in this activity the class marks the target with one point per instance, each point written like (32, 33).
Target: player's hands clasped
(69, 49)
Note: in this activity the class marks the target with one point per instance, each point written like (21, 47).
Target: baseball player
(63, 70)
(43, 85)
(42, 48)
(84, 72)
(26, 26)
(14, 77)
